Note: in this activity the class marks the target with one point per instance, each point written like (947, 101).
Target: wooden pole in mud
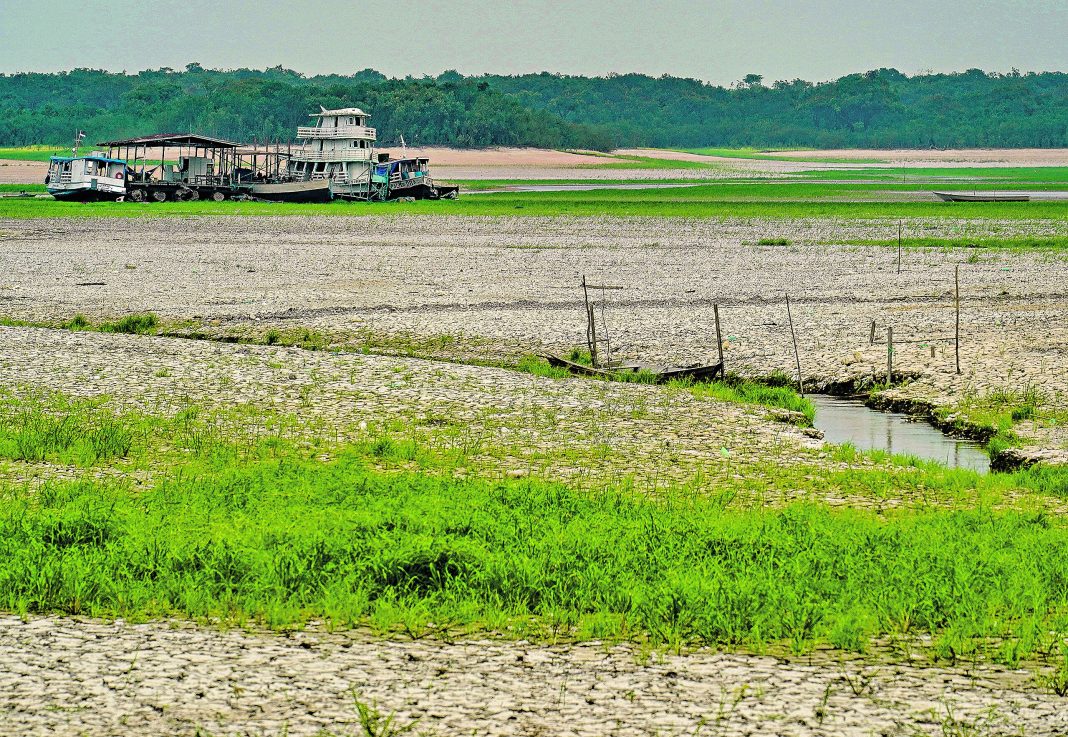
(871, 338)
(590, 341)
(593, 335)
(719, 340)
(797, 356)
(889, 356)
(956, 300)
(899, 246)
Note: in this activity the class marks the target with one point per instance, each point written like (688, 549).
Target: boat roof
(88, 158)
(339, 111)
(172, 139)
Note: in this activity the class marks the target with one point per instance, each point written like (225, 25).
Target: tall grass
(288, 541)
(69, 432)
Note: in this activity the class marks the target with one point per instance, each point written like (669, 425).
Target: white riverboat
(340, 149)
(85, 178)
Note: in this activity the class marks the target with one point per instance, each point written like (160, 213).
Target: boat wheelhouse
(86, 178)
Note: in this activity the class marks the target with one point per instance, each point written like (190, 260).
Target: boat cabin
(86, 178)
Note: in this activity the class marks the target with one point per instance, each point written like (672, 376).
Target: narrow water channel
(850, 421)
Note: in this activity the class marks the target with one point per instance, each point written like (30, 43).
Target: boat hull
(700, 372)
(314, 191)
(423, 191)
(84, 194)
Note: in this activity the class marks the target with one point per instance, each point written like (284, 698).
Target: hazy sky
(716, 40)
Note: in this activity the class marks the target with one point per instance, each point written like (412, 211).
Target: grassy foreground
(285, 541)
(264, 530)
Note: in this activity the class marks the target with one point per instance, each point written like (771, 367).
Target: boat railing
(61, 178)
(341, 154)
(398, 183)
(342, 131)
(338, 177)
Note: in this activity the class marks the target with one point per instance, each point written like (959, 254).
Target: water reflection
(849, 421)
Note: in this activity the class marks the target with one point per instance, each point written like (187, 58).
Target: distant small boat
(316, 190)
(984, 197)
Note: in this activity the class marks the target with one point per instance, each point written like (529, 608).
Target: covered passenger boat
(177, 166)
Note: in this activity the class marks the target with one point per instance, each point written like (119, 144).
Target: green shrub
(138, 324)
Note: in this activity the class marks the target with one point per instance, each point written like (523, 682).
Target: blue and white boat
(86, 178)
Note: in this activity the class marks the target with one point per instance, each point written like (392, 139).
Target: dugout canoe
(696, 372)
(984, 197)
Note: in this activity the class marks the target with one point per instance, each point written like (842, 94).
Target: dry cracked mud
(497, 288)
(68, 676)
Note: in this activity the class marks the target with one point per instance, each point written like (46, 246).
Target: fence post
(719, 340)
(956, 290)
(889, 356)
(797, 357)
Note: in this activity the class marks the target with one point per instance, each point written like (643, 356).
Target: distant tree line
(880, 109)
(243, 105)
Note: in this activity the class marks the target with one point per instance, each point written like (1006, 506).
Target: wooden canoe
(984, 197)
(700, 372)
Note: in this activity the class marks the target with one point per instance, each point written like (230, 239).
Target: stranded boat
(336, 158)
(85, 178)
(985, 197)
(340, 149)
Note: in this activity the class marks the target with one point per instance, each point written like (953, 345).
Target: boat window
(352, 121)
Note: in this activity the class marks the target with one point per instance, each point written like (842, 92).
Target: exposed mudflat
(589, 433)
(63, 676)
(502, 287)
(496, 289)
(22, 172)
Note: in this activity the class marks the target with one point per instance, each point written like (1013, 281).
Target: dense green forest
(881, 109)
(244, 105)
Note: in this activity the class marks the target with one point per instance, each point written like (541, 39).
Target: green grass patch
(34, 188)
(999, 411)
(40, 152)
(67, 432)
(283, 542)
(743, 391)
(617, 161)
(770, 155)
(732, 199)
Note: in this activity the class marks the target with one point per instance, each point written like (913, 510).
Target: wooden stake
(871, 338)
(593, 335)
(956, 300)
(889, 356)
(793, 336)
(719, 339)
(899, 246)
(589, 322)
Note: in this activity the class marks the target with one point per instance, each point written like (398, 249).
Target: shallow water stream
(850, 421)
